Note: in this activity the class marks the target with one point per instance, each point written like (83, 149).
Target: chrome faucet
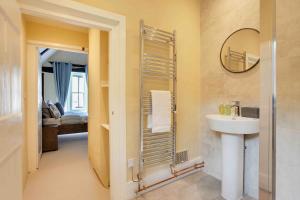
(237, 108)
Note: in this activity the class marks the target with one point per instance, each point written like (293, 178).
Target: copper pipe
(175, 175)
(188, 170)
(157, 183)
(195, 166)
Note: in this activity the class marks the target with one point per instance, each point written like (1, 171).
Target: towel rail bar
(156, 29)
(157, 149)
(161, 146)
(156, 60)
(158, 32)
(156, 141)
(148, 132)
(159, 162)
(158, 137)
(158, 158)
(157, 39)
(156, 77)
(165, 160)
(153, 155)
(152, 32)
(150, 55)
(158, 36)
(158, 72)
(160, 66)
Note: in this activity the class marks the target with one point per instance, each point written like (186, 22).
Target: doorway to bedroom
(65, 96)
(67, 71)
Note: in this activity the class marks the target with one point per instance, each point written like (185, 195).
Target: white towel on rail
(161, 111)
(251, 59)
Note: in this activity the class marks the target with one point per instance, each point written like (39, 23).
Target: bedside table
(50, 139)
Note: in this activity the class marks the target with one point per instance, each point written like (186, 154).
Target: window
(77, 96)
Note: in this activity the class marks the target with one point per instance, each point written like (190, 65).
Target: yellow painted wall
(184, 17)
(55, 34)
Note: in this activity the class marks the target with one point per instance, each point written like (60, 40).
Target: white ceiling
(68, 57)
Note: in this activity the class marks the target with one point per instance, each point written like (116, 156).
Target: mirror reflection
(240, 51)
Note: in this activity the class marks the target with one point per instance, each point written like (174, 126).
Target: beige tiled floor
(66, 174)
(198, 186)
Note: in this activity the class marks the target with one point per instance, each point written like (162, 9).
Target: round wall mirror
(240, 51)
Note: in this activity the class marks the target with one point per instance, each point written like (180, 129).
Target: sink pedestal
(232, 166)
(233, 130)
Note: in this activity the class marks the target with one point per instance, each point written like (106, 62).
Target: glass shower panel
(288, 100)
(267, 100)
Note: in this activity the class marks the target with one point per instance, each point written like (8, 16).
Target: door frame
(33, 96)
(86, 16)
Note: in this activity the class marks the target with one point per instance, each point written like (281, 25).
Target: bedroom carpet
(66, 174)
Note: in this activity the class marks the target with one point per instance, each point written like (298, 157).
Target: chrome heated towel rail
(157, 72)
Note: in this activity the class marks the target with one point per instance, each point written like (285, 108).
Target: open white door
(34, 107)
(40, 104)
(11, 121)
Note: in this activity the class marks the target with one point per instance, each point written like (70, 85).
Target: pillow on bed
(45, 111)
(54, 110)
(44, 104)
(60, 108)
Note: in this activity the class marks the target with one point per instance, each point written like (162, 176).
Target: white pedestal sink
(233, 130)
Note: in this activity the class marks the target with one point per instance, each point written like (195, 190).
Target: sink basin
(233, 125)
(232, 131)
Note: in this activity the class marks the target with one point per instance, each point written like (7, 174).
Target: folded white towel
(251, 59)
(161, 111)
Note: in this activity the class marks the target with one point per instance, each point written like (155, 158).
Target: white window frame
(69, 105)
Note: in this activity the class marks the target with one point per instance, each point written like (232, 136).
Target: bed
(70, 122)
(57, 122)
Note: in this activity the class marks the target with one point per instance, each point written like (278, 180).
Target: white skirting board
(159, 174)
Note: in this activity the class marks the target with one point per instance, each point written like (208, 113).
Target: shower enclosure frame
(267, 166)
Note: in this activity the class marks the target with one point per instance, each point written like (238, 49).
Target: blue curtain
(62, 74)
(86, 74)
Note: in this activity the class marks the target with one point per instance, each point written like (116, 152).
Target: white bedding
(67, 118)
(51, 121)
(74, 117)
